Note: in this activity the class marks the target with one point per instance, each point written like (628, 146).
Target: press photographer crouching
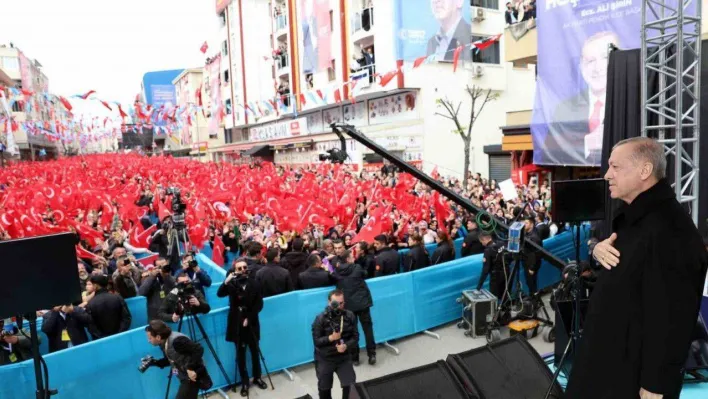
(183, 354)
(243, 326)
(333, 332)
(184, 299)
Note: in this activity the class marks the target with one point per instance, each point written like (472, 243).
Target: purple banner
(573, 49)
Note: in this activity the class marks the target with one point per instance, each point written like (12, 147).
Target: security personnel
(333, 332)
(493, 266)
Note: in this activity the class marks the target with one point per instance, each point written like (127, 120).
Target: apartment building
(290, 68)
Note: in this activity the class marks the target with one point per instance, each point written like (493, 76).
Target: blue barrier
(404, 304)
(138, 311)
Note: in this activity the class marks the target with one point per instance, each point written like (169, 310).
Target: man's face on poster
(594, 59)
(445, 9)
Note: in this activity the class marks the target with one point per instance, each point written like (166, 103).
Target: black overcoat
(243, 303)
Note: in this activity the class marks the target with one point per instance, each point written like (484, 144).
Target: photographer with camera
(183, 354)
(156, 286)
(334, 331)
(191, 269)
(65, 326)
(184, 299)
(127, 278)
(243, 326)
(14, 347)
(493, 266)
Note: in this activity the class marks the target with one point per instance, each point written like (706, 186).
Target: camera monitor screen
(38, 273)
(578, 200)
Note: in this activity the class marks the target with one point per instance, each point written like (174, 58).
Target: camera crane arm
(340, 129)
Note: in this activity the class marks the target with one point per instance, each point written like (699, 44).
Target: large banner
(26, 72)
(215, 106)
(315, 35)
(432, 27)
(573, 49)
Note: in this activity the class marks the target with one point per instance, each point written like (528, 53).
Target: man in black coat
(294, 261)
(644, 307)
(334, 331)
(242, 326)
(273, 279)
(530, 258)
(493, 266)
(109, 313)
(156, 286)
(387, 260)
(511, 15)
(471, 244)
(173, 308)
(315, 276)
(357, 298)
(65, 326)
(254, 259)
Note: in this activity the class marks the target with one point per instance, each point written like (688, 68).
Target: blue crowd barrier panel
(393, 310)
(212, 299)
(216, 272)
(138, 311)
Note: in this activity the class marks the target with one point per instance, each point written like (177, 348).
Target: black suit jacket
(245, 302)
(461, 37)
(109, 315)
(75, 325)
(642, 313)
(507, 16)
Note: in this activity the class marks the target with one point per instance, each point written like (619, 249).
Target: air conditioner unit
(478, 71)
(480, 14)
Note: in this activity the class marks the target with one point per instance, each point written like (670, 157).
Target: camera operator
(351, 279)
(65, 326)
(183, 354)
(530, 258)
(243, 326)
(156, 286)
(184, 299)
(334, 331)
(127, 278)
(200, 278)
(493, 266)
(14, 347)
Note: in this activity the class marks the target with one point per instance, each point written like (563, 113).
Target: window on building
(10, 63)
(331, 20)
(18, 106)
(228, 136)
(490, 55)
(224, 48)
(227, 105)
(226, 76)
(332, 71)
(222, 18)
(492, 4)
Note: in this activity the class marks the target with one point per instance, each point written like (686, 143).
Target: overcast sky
(108, 45)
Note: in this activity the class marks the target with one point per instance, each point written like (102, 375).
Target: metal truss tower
(671, 49)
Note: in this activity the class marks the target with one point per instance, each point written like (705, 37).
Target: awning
(259, 151)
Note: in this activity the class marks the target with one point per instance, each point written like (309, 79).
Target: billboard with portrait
(432, 27)
(573, 51)
(315, 36)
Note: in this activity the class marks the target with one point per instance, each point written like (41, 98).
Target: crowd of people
(519, 11)
(293, 228)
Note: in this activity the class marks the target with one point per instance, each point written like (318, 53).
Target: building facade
(194, 138)
(325, 61)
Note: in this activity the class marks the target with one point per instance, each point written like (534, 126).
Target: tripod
(175, 235)
(191, 322)
(260, 355)
(576, 289)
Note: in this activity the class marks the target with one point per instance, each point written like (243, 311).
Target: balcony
(281, 26)
(282, 66)
(363, 27)
(521, 43)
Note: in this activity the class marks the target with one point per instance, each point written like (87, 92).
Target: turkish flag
(371, 229)
(84, 254)
(217, 254)
(142, 239)
(204, 48)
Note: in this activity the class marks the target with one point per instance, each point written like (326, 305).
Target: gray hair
(650, 150)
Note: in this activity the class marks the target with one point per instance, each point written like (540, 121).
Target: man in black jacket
(156, 286)
(65, 326)
(183, 354)
(173, 307)
(334, 331)
(273, 279)
(493, 266)
(200, 278)
(644, 306)
(387, 261)
(294, 261)
(471, 245)
(530, 258)
(254, 259)
(242, 326)
(109, 313)
(357, 296)
(315, 276)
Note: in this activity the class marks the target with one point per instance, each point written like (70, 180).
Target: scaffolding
(671, 49)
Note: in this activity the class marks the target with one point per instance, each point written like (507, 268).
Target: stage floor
(415, 351)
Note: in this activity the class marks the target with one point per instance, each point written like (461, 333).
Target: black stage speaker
(38, 273)
(431, 381)
(508, 369)
(578, 200)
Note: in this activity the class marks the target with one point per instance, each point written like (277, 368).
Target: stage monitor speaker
(38, 273)
(508, 369)
(435, 380)
(578, 200)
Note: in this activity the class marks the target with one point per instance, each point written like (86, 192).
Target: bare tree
(479, 98)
